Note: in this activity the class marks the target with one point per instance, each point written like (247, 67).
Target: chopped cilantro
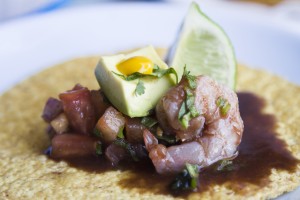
(96, 132)
(148, 122)
(120, 133)
(187, 110)
(140, 88)
(187, 179)
(223, 105)
(192, 169)
(120, 141)
(190, 78)
(190, 103)
(127, 146)
(185, 120)
(130, 77)
(170, 139)
(225, 165)
(157, 73)
(99, 151)
(183, 110)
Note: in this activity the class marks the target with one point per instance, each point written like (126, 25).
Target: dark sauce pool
(259, 152)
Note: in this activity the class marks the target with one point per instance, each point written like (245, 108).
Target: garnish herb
(183, 110)
(223, 105)
(225, 165)
(120, 141)
(190, 102)
(120, 133)
(188, 110)
(99, 151)
(129, 148)
(187, 179)
(157, 73)
(131, 77)
(190, 78)
(192, 169)
(148, 122)
(140, 88)
(167, 138)
(96, 132)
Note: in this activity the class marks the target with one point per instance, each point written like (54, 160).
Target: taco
(268, 106)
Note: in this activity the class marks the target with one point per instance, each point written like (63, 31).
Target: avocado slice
(121, 93)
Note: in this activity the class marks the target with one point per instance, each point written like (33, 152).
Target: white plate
(31, 44)
(34, 43)
(14, 8)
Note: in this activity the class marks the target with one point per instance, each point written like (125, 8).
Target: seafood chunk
(73, 145)
(115, 154)
(99, 102)
(110, 124)
(134, 130)
(77, 105)
(172, 159)
(214, 134)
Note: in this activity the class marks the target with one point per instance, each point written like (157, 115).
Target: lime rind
(203, 46)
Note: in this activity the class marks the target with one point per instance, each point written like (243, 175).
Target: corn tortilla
(27, 174)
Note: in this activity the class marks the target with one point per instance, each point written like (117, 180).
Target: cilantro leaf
(190, 78)
(157, 73)
(190, 102)
(187, 179)
(140, 88)
(183, 110)
(223, 105)
(148, 121)
(120, 141)
(96, 132)
(127, 146)
(170, 139)
(192, 169)
(187, 110)
(225, 165)
(185, 120)
(99, 148)
(131, 77)
(120, 133)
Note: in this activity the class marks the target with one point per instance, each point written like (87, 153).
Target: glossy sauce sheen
(259, 152)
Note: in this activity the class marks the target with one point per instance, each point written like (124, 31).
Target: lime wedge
(204, 48)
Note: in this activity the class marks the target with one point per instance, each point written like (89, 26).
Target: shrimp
(172, 159)
(210, 137)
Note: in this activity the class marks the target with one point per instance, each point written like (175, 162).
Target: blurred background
(36, 34)
(10, 9)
